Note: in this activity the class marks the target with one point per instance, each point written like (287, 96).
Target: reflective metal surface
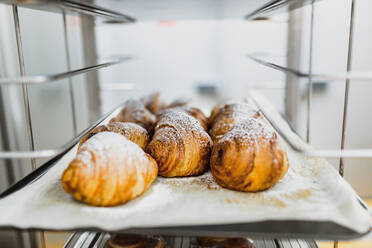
(277, 6)
(56, 151)
(326, 153)
(80, 240)
(68, 64)
(40, 79)
(26, 100)
(352, 75)
(82, 7)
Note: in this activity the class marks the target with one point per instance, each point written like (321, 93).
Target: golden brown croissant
(180, 145)
(247, 108)
(248, 157)
(153, 102)
(131, 131)
(136, 112)
(199, 115)
(109, 170)
(224, 116)
(194, 112)
(179, 102)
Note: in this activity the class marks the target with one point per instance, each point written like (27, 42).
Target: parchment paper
(311, 190)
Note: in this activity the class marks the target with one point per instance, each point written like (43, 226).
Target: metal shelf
(41, 79)
(56, 152)
(166, 9)
(81, 240)
(74, 6)
(277, 6)
(358, 76)
(325, 153)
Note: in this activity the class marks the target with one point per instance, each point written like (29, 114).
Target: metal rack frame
(347, 76)
(74, 6)
(96, 11)
(98, 240)
(275, 6)
(358, 76)
(42, 79)
(24, 81)
(54, 6)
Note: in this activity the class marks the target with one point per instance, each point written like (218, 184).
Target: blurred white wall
(174, 57)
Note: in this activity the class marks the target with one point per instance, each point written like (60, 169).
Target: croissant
(179, 145)
(194, 112)
(248, 108)
(179, 102)
(136, 112)
(153, 102)
(248, 157)
(109, 170)
(199, 115)
(224, 116)
(131, 131)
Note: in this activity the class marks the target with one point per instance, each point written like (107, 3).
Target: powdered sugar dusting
(252, 129)
(137, 109)
(181, 121)
(105, 143)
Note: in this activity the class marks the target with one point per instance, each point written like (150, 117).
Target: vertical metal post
(5, 141)
(68, 63)
(347, 89)
(90, 57)
(292, 90)
(24, 86)
(347, 85)
(26, 100)
(310, 81)
(42, 239)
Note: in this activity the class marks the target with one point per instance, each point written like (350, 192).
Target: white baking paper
(311, 190)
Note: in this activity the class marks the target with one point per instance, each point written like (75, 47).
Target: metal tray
(308, 228)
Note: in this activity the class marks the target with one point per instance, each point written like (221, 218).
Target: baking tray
(312, 201)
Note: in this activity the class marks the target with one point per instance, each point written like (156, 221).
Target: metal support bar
(269, 7)
(274, 6)
(358, 76)
(42, 239)
(347, 85)
(24, 87)
(41, 79)
(347, 89)
(327, 153)
(26, 100)
(75, 6)
(310, 81)
(60, 150)
(68, 64)
(292, 83)
(90, 57)
(94, 10)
